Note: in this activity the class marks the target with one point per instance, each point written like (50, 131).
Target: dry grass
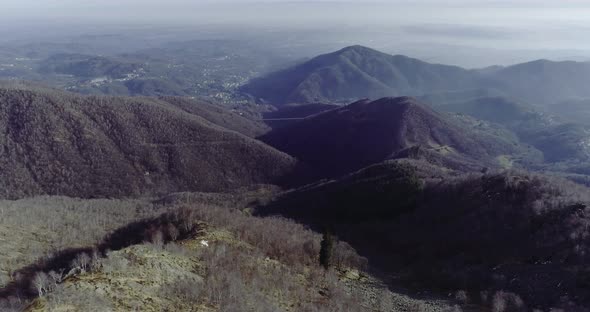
(258, 264)
(33, 229)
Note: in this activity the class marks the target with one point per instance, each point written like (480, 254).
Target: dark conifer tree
(327, 248)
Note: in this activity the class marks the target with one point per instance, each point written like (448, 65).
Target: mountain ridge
(356, 72)
(366, 132)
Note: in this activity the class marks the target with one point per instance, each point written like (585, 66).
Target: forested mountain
(358, 72)
(85, 146)
(514, 232)
(366, 132)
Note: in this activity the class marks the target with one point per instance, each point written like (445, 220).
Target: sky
(518, 28)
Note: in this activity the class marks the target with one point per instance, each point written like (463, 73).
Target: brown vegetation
(59, 143)
(241, 270)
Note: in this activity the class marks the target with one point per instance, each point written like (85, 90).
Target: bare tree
(158, 239)
(82, 262)
(95, 260)
(173, 232)
(41, 283)
(56, 277)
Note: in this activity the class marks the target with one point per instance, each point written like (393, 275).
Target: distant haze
(468, 33)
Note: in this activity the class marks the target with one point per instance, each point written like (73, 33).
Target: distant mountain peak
(357, 72)
(358, 48)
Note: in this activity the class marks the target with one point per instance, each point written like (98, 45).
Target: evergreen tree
(327, 248)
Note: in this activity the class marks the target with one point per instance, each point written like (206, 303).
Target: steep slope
(358, 72)
(59, 143)
(363, 133)
(479, 233)
(218, 115)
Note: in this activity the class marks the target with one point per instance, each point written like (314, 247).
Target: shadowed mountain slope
(510, 231)
(363, 133)
(299, 110)
(59, 143)
(218, 115)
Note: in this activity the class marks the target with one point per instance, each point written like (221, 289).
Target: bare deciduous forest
(413, 156)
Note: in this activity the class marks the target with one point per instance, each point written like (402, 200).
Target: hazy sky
(418, 26)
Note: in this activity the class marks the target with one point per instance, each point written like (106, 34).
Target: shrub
(41, 283)
(82, 262)
(56, 277)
